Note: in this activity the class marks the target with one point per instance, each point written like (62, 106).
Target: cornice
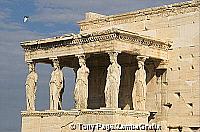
(101, 36)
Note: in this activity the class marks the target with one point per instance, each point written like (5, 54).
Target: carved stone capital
(163, 65)
(53, 58)
(84, 56)
(142, 58)
(81, 56)
(29, 61)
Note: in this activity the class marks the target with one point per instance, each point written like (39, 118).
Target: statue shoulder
(109, 67)
(35, 74)
(87, 69)
(60, 72)
(119, 66)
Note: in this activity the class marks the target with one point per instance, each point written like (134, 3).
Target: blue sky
(47, 18)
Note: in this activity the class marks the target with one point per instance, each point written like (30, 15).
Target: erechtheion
(140, 67)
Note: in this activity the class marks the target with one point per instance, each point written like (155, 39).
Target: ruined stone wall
(182, 88)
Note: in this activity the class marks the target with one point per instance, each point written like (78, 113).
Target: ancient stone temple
(133, 69)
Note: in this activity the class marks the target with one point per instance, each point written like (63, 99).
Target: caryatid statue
(140, 88)
(31, 88)
(112, 82)
(56, 86)
(81, 86)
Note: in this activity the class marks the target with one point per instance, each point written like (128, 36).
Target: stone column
(56, 86)
(139, 90)
(81, 87)
(31, 88)
(112, 82)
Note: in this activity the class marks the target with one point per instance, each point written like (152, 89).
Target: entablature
(96, 42)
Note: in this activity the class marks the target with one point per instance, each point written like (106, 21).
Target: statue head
(140, 64)
(31, 67)
(56, 64)
(113, 57)
(81, 61)
(141, 60)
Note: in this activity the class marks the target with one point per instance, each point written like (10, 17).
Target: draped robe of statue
(31, 90)
(139, 90)
(112, 85)
(81, 88)
(56, 89)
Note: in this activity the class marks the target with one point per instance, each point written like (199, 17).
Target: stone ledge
(74, 112)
